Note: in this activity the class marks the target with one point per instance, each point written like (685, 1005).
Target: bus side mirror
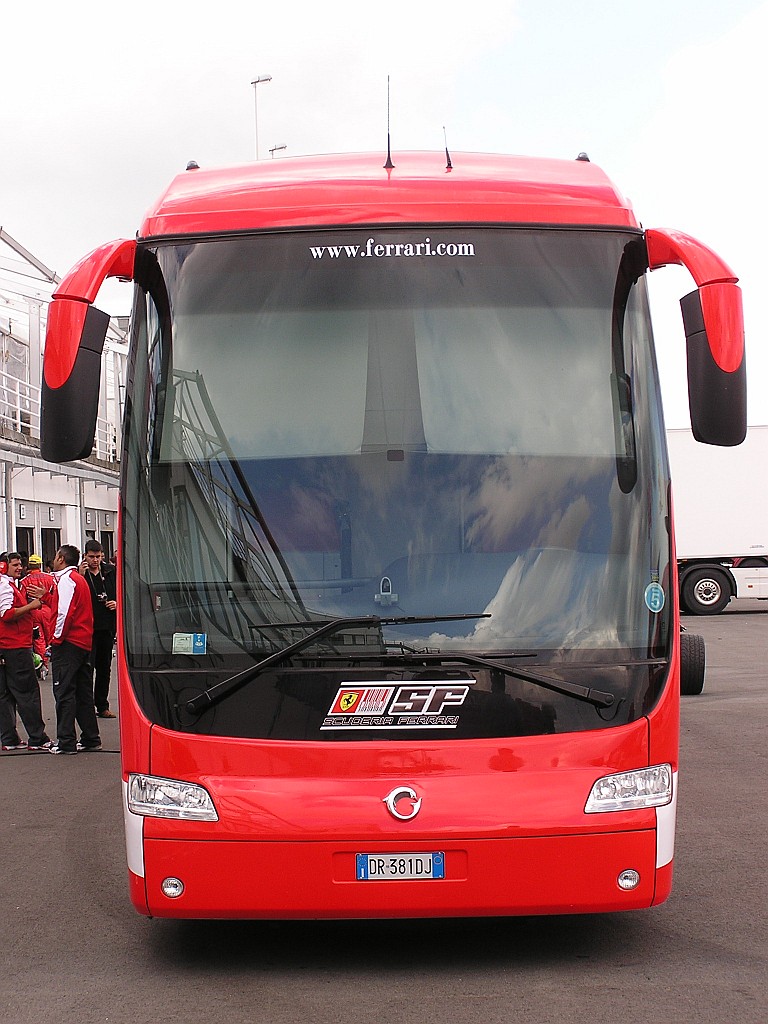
(717, 388)
(70, 389)
(72, 362)
(714, 330)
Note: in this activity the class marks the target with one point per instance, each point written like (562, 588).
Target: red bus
(398, 629)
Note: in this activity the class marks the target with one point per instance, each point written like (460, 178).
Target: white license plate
(393, 867)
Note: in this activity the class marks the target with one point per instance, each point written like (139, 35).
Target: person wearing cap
(42, 618)
(19, 688)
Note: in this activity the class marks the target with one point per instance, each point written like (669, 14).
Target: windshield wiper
(597, 698)
(228, 686)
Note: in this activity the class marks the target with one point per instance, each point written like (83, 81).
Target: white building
(45, 504)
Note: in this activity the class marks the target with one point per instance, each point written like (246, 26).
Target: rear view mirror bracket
(714, 330)
(74, 342)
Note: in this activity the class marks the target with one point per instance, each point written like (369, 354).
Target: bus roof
(356, 189)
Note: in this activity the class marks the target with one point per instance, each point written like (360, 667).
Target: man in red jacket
(44, 617)
(70, 653)
(18, 682)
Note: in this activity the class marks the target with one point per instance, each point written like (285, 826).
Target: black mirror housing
(717, 397)
(69, 411)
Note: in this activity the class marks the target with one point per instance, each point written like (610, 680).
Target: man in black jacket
(102, 582)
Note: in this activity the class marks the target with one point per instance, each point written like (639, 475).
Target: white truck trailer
(720, 498)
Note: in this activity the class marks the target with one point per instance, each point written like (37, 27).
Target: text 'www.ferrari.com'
(392, 250)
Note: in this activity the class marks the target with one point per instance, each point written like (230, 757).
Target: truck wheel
(692, 664)
(706, 591)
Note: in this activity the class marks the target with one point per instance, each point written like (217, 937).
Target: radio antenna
(388, 165)
(448, 164)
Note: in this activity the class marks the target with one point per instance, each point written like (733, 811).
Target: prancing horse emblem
(392, 800)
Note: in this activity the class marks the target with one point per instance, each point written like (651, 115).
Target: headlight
(167, 798)
(627, 791)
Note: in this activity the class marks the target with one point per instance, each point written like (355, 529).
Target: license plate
(393, 867)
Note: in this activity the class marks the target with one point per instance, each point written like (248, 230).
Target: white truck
(720, 500)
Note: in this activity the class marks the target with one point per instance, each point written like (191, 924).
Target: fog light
(629, 879)
(174, 887)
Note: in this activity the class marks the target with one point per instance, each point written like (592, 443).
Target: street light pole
(255, 83)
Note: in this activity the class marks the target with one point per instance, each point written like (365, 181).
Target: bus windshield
(448, 439)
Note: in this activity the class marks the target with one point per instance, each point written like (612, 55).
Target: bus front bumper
(495, 877)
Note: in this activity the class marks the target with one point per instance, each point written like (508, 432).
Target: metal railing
(19, 406)
(20, 413)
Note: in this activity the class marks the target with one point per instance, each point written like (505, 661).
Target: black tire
(692, 664)
(706, 591)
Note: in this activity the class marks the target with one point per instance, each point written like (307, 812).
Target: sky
(102, 104)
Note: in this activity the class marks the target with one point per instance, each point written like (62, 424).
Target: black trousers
(19, 689)
(101, 656)
(73, 693)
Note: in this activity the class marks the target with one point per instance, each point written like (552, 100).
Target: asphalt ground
(73, 949)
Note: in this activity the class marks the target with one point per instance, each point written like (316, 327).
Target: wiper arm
(597, 698)
(228, 686)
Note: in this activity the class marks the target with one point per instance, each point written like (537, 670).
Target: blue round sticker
(654, 597)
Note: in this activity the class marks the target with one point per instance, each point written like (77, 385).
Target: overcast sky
(101, 104)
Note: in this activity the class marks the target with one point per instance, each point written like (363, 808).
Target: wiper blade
(228, 686)
(597, 698)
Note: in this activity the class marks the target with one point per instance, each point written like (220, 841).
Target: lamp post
(255, 83)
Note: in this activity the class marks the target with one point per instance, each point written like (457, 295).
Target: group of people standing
(69, 615)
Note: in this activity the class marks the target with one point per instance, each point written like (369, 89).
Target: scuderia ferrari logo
(349, 700)
(422, 705)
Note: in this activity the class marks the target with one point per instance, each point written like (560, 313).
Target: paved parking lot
(74, 950)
